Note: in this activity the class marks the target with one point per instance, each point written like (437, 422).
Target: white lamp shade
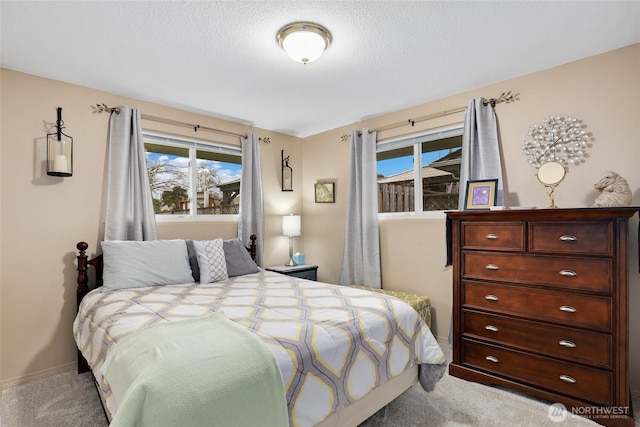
(304, 46)
(304, 41)
(291, 225)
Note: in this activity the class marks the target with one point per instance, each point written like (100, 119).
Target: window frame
(416, 140)
(193, 145)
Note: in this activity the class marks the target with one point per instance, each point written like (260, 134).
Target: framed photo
(481, 194)
(325, 192)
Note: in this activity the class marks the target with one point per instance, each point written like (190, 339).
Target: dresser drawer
(573, 344)
(305, 274)
(304, 271)
(585, 237)
(566, 308)
(504, 236)
(591, 384)
(574, 273)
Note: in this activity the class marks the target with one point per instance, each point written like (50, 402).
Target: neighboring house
(230, 192)
(205, 200)
(440, 186)
(209, 204)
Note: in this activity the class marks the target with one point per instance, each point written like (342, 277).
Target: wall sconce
(291, 228)
(287, 173)
(59, 151)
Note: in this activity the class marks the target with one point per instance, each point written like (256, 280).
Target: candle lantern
(59, 151)
(287, 173)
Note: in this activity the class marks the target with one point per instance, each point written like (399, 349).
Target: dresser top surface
(545, 214)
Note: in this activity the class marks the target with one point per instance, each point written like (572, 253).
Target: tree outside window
(210, 187)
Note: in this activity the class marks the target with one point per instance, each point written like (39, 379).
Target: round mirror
(551, 173)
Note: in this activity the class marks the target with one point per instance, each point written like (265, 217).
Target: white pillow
(134, 264)
(211, 260)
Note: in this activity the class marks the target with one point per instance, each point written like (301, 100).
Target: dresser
(305, 271)
(540, 305)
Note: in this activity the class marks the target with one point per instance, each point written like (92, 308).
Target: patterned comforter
(333, 343)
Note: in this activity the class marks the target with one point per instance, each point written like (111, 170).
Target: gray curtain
(480, 149)
(361, 257)
(480, 159)
(130, 214)
(251, 198)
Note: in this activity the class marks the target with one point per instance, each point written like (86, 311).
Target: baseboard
(34, 376)
(444, 343)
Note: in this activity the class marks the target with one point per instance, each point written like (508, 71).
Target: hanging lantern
(59, 151)
(287, 173)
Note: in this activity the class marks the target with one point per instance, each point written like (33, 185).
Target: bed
(341, 353)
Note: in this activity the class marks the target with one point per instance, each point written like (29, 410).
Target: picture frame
(481, 194)
(325, 192)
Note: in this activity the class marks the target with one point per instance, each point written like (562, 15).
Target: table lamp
(291, 228)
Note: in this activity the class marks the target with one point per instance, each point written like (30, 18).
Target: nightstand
(301, 271)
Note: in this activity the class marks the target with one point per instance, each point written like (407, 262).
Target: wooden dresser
(540, 305)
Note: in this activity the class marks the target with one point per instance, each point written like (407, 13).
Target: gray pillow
(193, 260)
(238, 259)
(134, 264)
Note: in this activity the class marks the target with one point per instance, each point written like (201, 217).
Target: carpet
(457, 402)
(70, 400)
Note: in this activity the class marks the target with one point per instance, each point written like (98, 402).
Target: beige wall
(43, 217)
(602, 90)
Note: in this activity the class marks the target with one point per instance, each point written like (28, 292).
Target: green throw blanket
(206, 371)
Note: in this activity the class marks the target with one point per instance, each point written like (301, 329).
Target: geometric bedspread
(333, 343)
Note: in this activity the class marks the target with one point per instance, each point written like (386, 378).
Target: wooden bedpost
(252, 247)
(83, 278)
(81, 291)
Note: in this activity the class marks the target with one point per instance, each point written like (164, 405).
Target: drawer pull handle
(566, 343)
(492, 236)
(567, 309)
(492, 359)
(491, 328)
(491, 267)
(568, 273)
(568, 238)
(568, 379)
(491, 297)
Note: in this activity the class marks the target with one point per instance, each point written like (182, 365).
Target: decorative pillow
(238, 259)
(211, 260)
(134, 264)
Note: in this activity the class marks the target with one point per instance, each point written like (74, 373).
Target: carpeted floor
(69, 399)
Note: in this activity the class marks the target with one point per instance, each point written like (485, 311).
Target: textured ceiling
(220, 58)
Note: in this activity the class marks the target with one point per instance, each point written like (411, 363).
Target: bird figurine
(614, 191)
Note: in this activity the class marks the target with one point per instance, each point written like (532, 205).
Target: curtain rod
(102, 108)
(505, 97)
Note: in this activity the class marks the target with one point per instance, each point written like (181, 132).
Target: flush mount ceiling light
(304, 41)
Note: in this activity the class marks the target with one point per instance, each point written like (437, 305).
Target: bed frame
(98, 265)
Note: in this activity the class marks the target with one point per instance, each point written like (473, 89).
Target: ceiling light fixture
(304, 41)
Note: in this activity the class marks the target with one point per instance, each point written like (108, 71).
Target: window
(430, 162)
(182, 171)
